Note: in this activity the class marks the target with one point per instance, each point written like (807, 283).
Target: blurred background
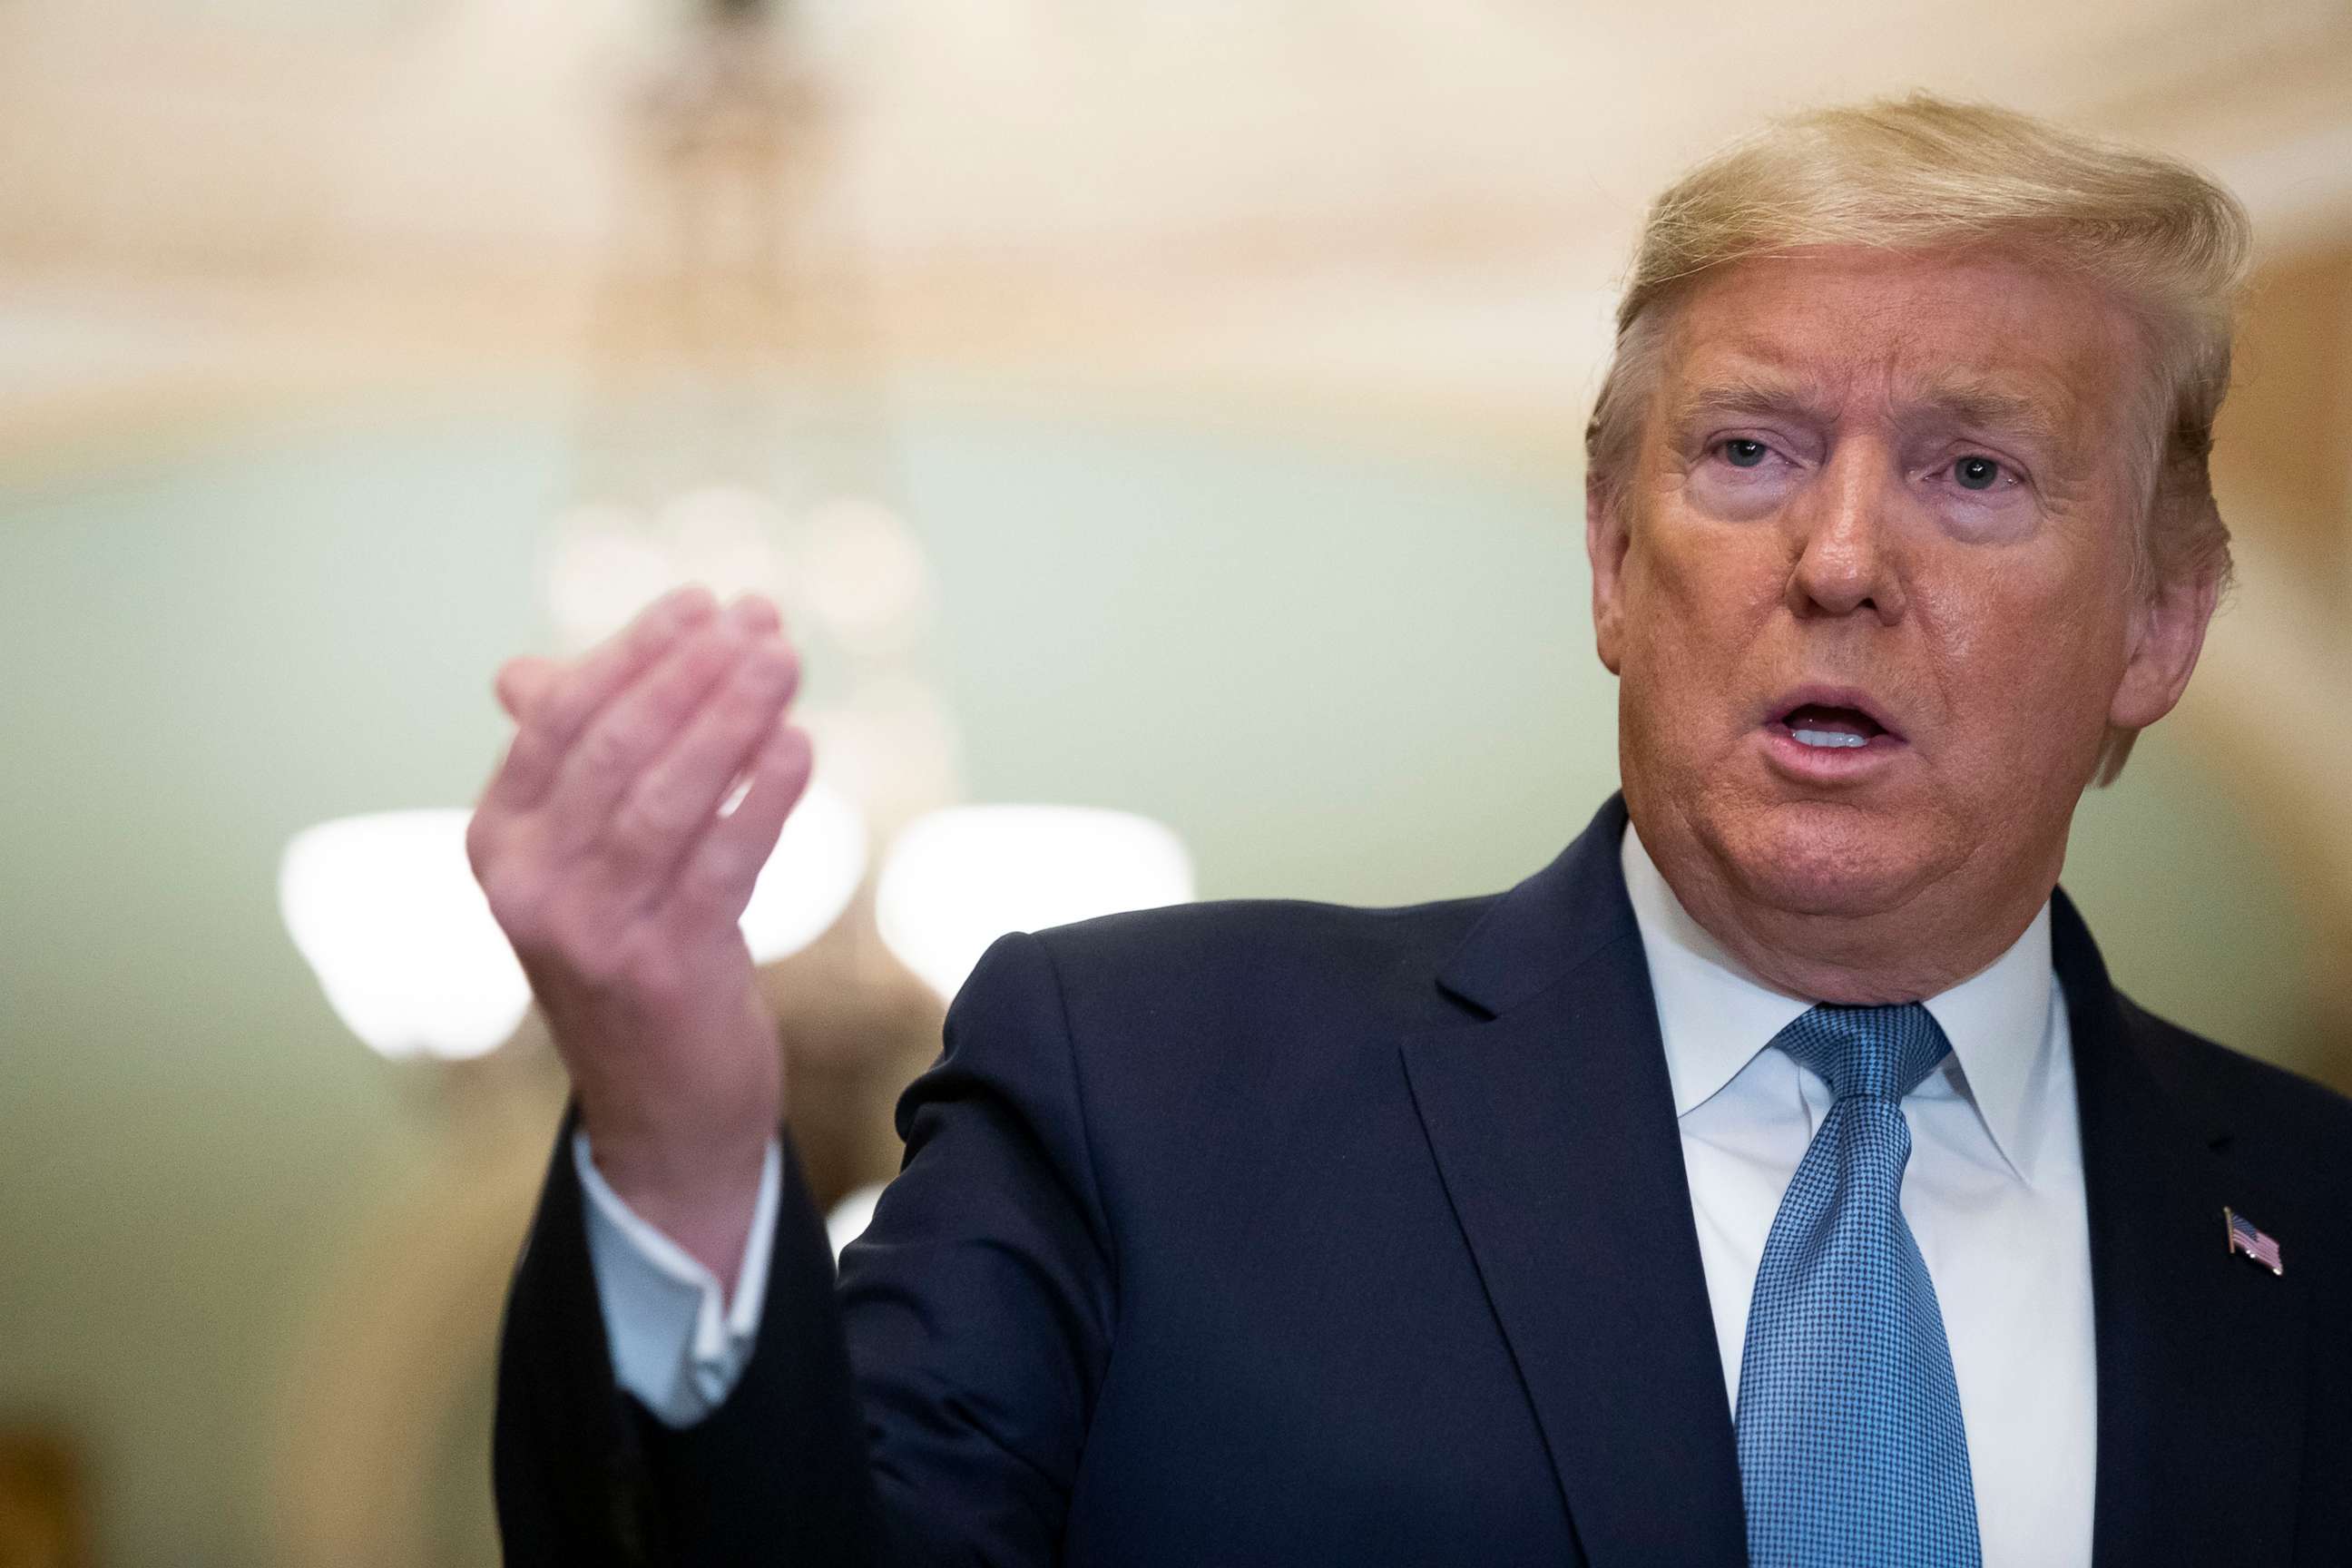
(1172, 411)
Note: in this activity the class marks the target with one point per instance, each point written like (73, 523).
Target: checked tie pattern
(1851, 1446)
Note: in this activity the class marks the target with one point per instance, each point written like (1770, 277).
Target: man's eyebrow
(1986, 405)
(1742, 391)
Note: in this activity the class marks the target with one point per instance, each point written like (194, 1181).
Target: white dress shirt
(1993, 1193)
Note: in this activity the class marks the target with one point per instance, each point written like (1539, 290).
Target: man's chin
(1817, 858)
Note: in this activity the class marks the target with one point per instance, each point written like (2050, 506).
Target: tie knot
(1882, 1052)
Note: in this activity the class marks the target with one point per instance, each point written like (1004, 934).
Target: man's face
(1870, 586)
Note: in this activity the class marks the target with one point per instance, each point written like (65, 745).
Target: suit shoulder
(1265, 954)
(2305, 1121)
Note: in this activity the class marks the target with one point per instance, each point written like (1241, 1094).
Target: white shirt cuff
(677, 1344)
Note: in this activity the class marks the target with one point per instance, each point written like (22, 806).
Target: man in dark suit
(1775, 1177)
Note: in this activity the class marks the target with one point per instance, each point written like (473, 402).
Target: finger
(593, 803)
(673, 803)
(715, 879)
(522, 683)
(759, 612)
(562, 709)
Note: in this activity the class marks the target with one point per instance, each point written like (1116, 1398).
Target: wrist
(690, 1127)
(707, 1211)
(678, 1126)
(703, 1196)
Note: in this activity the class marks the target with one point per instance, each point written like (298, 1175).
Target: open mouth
(1829, 722)
(1831, 727)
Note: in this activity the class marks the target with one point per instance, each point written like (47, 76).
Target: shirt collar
(1714, 1015)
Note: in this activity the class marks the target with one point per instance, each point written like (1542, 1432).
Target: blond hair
(2169, 245)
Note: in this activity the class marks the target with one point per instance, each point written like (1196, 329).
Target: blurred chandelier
(734, 435)
(733, 432)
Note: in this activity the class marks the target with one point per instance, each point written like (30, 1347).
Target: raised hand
(601, 847)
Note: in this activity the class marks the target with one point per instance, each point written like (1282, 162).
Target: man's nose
(1846, 555)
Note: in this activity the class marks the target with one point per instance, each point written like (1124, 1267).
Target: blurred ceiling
(481, 132)
(1429, 199)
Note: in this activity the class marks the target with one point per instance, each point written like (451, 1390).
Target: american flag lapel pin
(2246, 1238)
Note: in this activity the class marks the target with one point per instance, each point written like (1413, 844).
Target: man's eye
(1744, 454)
(1977, 473)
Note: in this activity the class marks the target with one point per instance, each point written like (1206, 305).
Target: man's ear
(1606, 540)
(2169, 632)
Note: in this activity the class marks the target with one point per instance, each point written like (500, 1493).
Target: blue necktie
(1851, 1446)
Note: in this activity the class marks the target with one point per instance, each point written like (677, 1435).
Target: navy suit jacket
(1287, 1233)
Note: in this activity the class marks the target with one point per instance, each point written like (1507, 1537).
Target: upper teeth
(1829, 738)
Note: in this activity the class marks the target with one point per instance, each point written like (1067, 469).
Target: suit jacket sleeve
(931, 1408)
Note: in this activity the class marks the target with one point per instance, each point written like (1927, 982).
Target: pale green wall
(1341, 672)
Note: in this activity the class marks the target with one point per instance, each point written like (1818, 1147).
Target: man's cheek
(1685, 595)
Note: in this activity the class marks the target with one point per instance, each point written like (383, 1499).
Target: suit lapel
(2200, 1352)
(1552, 1124)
